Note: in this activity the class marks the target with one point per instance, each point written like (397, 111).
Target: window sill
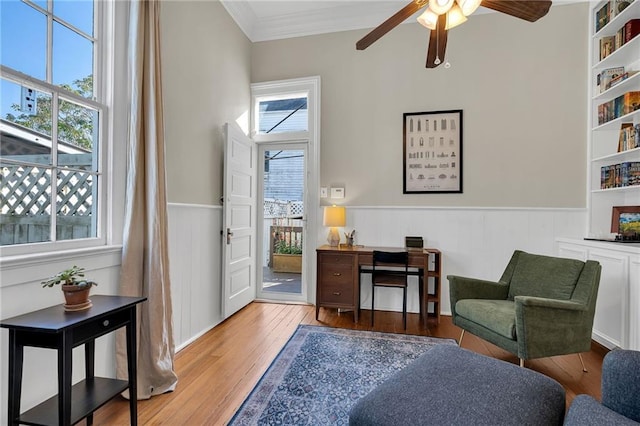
(31, 267)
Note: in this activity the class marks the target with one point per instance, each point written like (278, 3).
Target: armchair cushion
(496, 315)
(544, 276)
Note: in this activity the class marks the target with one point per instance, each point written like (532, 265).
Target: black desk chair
(382, 276)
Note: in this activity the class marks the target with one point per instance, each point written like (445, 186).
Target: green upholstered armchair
(542, 306)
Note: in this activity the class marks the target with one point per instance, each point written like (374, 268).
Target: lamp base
(334, 237)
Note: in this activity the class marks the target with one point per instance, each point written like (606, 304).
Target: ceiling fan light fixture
(455, 17)
(440, 6)
(428, 19)
(468, 6)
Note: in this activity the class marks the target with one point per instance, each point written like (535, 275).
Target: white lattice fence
(25, 201)
(277, 209)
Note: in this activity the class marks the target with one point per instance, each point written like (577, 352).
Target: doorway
(282, 227)
(285, 125)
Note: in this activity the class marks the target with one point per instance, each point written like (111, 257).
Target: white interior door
(239, 221)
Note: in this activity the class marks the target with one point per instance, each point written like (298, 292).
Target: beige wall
(522, 87)
(205, 63)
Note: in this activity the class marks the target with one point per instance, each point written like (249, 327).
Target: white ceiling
(276, 19)
(263, 20)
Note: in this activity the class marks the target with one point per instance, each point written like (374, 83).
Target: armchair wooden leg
(461, 336)
(582, 362)
(521, 362)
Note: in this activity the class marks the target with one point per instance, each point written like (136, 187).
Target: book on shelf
(620, 175)
(629, 137)
(606, 76)
(622, 105)
(607, 46)
(631, 102)
(603, 16)
(631, 30)
(619, 79)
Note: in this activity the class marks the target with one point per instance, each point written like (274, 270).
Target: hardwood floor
(218, 371)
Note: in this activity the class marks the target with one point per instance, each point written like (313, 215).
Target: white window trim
(110, 27)
(283, 89)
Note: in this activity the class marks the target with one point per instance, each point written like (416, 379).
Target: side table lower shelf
(86, 397)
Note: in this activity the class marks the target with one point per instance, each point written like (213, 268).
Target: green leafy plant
(281, 247)
(71, 276)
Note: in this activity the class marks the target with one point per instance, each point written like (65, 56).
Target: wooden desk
(339, 269)
(54, 328)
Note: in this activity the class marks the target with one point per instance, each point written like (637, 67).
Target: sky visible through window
(23, 44)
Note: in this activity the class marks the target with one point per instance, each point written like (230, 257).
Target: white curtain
(145, 260)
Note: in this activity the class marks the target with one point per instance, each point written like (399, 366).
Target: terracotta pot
(76, 297)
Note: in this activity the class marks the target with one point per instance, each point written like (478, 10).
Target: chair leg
(521, 362)
(461, 336)
(404, 309)
(584, 369)
(373, 298)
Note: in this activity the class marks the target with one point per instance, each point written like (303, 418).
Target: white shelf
(603, 138)
(626, 54)
(619, 156)
(621, 189)
(633, 10)
(619, 89)
(627, 118)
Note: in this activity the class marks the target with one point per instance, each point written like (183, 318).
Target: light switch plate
(337, 192)
(324, 192)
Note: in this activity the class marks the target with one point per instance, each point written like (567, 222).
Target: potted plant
(74, 287)
(287, 257)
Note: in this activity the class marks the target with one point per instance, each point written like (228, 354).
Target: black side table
(53, 328)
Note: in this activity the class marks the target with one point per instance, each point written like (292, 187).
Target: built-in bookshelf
(614, 122)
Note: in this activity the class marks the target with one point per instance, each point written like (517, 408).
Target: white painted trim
(564, 209)
(310, 86)
(194, 206)
(195, 337)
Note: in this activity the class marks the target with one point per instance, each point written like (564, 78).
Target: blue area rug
(321, 372)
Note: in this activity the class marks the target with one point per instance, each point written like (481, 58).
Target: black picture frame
(432, 152)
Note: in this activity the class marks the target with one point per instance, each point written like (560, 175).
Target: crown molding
(319, 17)
(341, 16)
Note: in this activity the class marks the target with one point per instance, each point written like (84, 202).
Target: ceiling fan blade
(437, 43)
(529, 10)
(390, 24)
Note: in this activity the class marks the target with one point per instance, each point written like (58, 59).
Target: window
(282, 114)
(52, 124)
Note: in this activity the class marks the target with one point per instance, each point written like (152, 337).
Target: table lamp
(333, 218)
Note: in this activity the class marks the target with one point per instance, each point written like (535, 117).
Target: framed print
(432, 152)
(625, 221)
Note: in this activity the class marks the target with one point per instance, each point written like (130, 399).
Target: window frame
(102, 101)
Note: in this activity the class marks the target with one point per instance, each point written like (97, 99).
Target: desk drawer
(337, 274)
(336, 259)
(337, 293)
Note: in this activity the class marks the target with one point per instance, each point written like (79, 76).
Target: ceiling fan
(442, 15)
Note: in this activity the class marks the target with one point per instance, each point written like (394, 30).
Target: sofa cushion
(544, 276)
(496, 315)
(449, 385)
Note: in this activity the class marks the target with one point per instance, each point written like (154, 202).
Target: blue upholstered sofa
(620, 394)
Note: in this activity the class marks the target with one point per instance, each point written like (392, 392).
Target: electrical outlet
(324, 192)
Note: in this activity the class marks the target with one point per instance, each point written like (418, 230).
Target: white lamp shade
(468, 6)
(334, 216)
(455, 17)
(440, 6)
(428, 19)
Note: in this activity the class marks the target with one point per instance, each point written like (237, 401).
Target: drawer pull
(105, 323)
(336, 274)
(336, 293)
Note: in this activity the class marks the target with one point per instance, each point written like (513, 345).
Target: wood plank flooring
(218, 371)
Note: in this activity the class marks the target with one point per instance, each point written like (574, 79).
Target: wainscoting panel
(195, 269)
(476, 242)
